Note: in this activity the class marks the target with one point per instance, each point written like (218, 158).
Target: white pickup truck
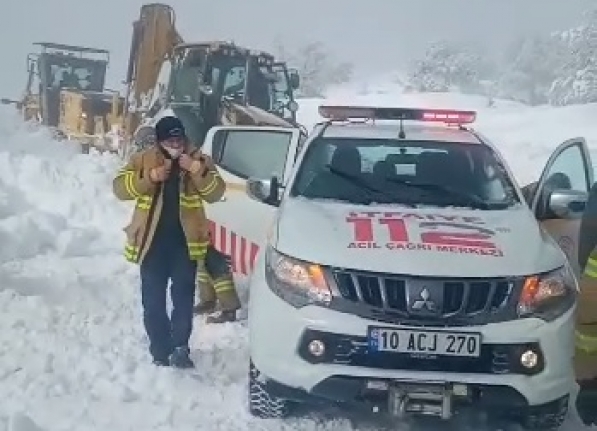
(395, 264)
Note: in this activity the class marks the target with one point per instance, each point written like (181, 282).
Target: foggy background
(376, 35)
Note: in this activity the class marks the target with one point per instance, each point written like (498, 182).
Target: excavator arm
(154, 38)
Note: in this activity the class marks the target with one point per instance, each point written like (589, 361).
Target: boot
(161, 362)
(180, 358)
(222, 316)
(205, 307)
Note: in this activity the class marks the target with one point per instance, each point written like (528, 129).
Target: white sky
(376, 35)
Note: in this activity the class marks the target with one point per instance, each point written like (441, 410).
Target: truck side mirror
(264, 191)
(567, 204)
(294, 79)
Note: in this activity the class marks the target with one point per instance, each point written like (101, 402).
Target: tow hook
(420, 399)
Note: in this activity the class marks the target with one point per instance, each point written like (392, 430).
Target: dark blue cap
(169, 127)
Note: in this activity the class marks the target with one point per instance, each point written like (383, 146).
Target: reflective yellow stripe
(203, 277)
(131, 253)
(190, 201)
(591, 268)
(223, 286)
(211, 186)
(129, 184)
(144, 207)
(197, 250)
(144, 202)
(586, 343)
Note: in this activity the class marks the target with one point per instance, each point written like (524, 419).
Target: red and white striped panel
(242, 251)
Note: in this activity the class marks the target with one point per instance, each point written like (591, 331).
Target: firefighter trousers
(159, 267)
(215, 281)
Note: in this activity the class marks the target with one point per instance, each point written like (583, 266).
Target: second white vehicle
(405, 270)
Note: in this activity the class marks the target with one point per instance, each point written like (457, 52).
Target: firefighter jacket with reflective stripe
(586, 323)
(133, 183)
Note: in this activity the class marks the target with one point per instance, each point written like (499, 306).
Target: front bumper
(278, 332)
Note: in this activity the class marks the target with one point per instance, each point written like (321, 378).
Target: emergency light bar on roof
(448, 116)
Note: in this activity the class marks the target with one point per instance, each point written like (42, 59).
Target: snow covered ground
(72, 349)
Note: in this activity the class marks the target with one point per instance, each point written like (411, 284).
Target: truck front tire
(549, 417)
(262, 403)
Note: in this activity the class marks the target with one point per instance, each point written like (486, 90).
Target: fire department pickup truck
(395, 262)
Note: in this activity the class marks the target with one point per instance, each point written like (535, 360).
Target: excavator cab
(287, 81)
(55, 68)
(208, 80)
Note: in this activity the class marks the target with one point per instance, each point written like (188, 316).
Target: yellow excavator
(66, 92)
(204, 84)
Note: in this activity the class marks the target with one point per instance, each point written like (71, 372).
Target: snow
(72, 347)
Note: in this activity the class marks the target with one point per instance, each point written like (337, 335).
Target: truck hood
(451, 242)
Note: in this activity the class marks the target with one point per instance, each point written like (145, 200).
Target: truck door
(240, 224)
(568, 169)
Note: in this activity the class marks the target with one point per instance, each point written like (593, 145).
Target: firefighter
(168, 234)
(216, 288)
(585, 361)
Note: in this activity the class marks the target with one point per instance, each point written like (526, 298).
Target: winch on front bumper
(437, 399)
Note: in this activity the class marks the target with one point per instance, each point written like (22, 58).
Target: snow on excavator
(65, 92)
(205, 84)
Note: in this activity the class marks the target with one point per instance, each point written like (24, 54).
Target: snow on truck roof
(385, 123)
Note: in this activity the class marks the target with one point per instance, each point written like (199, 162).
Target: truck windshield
(413, 173)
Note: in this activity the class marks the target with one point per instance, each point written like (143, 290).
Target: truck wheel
(263, 404)
(586, 401)
(546, 418)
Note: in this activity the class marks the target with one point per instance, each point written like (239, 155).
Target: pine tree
(577, 82)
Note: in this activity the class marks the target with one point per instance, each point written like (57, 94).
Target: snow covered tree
(448, 67)
(577, 81)
(317, 67)
(531, 65)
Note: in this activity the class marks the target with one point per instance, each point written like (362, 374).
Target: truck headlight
(297, 282)
(548, 296)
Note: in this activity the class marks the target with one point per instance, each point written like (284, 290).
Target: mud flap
(421, 399)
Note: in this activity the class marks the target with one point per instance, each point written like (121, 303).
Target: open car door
(559, 197)
(240, 224)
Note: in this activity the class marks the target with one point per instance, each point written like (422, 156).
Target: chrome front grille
(427, 300)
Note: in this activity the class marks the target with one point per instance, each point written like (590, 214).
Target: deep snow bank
(72, 349)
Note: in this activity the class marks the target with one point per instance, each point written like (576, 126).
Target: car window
(566, 171)
(254, 153)
(404, 172)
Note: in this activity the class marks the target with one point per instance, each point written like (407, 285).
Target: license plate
(466, 344)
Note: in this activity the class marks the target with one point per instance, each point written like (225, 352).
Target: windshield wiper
(353, 179)
(466, 198)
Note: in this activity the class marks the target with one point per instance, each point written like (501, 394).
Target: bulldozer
(66, 92)
(204, 84)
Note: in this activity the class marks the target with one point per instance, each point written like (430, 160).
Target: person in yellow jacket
(169, 233)
(215, 282)
(585, 360)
